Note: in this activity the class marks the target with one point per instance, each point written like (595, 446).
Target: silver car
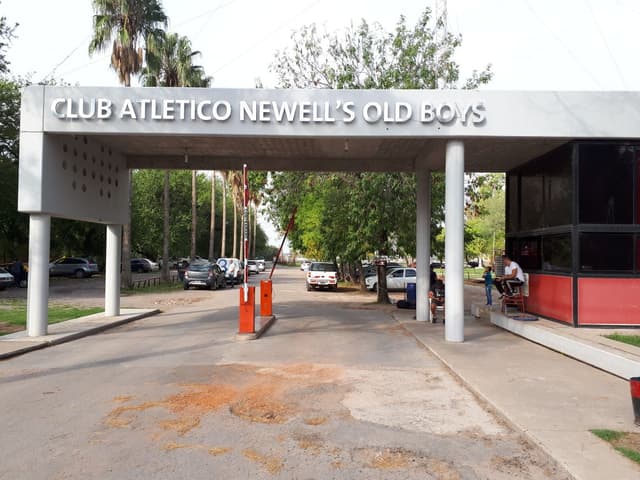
(6, 279)
(73, 267)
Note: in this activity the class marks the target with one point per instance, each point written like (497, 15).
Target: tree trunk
(194, 219)
(212, 227)
(383, 293)
(255, 229)
(126, 241)
(224, 217)
(165, 230)
(235, 229)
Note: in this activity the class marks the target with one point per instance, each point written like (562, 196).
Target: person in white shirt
(513, 276)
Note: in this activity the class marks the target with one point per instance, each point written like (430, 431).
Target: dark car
(207, 275)
(73, 267)
(143, 265)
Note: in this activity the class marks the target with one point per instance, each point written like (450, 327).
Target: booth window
(605, 183)
(606, 252)
(532, 202)
(556, 253)
(558, 189)
(526, 251)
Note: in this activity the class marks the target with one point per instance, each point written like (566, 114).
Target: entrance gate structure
(78, 143)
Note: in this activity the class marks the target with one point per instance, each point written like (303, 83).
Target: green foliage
(15, 313)
(628, 339)
(6, 35)
(125, 26)
(351, 215)
(616, 439)
(147, 214)
(485, 213)
(170, 63)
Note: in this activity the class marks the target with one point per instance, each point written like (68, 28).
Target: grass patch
(628, 444)
(629, 339)
(14, 312)
(160, 288)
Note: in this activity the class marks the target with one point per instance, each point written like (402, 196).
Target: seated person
(436, 297)
(513, 276)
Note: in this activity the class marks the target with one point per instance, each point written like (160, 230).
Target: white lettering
(442, 116)
(200, 109)
(248, 111)
(128, 110)
(221, 117)
(143, 108)
(284, 110)
(54, 107)
(168, 110)
(181, 108)
(349, 109)
(305, 112)
(265, 111)
(479, 115)
(366, 111)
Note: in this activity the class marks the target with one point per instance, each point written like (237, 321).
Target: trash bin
(411, 293)
(634, 383)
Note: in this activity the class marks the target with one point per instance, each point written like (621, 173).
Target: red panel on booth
(609, 301)
(551, 296)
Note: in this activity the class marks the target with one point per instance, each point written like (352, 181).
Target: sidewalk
(553, 399)
(18, 343)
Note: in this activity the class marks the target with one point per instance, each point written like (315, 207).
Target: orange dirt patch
(123, 398)
(180, 425)
(116, 417)
(314, 421)
(273, 465)
(390, 459)
(311, 443)
(442, 470)
(261, 404)
(215, 451)
(201, 398)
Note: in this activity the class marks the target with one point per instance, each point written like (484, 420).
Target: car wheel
(334, 288)
(185, 286)
(374, 287)
(309, 288)
(78, 274)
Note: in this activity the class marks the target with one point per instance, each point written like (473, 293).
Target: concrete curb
(80, 334)
(266, 323)
(487, 401)
(611, 362)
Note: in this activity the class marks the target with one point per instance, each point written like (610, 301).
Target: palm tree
(170, 64)
(212, 225)
(125, 26)
(237, 190)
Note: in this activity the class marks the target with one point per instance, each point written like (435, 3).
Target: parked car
(252, 267)
(73, 267)
(232, 268)
(304, 266)
(372, 270)
(143, 265)
(260, 264)
(473, 264)
(6, 279)
(207, 275)
(322, 274)
(397, 279)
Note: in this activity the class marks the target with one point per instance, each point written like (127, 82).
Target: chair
(517, 299)
(437, 297)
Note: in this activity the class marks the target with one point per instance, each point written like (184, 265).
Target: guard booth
(78, 144)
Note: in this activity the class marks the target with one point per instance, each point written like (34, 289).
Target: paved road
(336, 389)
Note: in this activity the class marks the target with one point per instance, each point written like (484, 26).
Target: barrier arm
(284, 239)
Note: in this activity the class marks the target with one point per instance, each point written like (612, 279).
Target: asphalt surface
(335, 389)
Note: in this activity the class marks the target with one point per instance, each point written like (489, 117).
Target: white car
(397, 279)
(321, 275)
(6, 279)
(304, 266)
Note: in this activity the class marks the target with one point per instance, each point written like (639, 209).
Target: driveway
(336, 389)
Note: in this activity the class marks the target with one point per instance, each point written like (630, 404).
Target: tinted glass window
(605, 183)
(200, 267)
(558, 191)
(526, 251)
(606, 251)
(323, 267)
(410, 272)
(397, 273)
(556, 252)
(532, 205)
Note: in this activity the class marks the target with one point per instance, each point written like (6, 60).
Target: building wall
(551, 296)
(609, 301)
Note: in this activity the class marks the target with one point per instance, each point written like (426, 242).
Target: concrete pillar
(423, 243)
(38, 280)
(112, 271)
(454, 241)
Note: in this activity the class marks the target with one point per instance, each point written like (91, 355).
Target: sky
(531, 44)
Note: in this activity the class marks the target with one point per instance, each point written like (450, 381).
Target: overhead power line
(606, 43)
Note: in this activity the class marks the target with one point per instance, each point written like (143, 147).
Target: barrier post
(247, 310)
(266, 309)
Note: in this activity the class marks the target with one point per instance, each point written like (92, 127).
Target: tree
(212, 223)
(125, 26)
(6, 35)
(356, 214)
(223, 243)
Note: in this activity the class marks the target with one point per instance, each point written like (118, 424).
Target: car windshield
(199, 267)
(323, 267)
(251, 262)
(2, 270)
